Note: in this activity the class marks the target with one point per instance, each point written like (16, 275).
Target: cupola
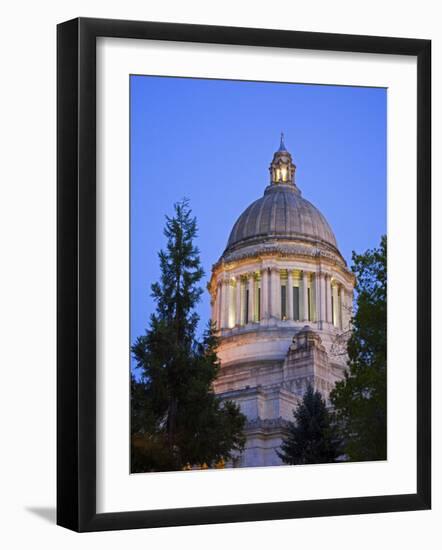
(282, 169)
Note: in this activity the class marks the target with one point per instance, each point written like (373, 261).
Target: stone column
(222, 297)
(341, 307)
(317, 287)
(251, 304)
(289, 294)
(265, 294)
(216, 308)
(275, 293)
(238, 301)
(328, 298)
(304, 313)
(335, 305)
(349, 305)
(225, 303)
(322, 298)
(221, 305)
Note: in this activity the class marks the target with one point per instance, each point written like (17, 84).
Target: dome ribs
(266, 216)
(287, 214)
(258, 219)
(293, 217)
(251, 227)
(280, 215)
(281, 212)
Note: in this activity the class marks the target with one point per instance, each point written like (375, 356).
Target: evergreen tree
(311, 438)
(177, 420)
(360, 400)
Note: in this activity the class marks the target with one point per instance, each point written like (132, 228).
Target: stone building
(281, 298)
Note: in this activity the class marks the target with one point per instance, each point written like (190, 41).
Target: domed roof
(281, 221)
(281, 213)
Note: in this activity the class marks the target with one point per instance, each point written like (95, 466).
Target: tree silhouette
(360, 400)
(176, 419)
(311, 438)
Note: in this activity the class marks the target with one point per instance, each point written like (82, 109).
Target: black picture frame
(76, 273)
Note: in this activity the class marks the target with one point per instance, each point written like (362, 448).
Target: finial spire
(282, 169)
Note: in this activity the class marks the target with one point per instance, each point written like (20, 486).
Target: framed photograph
(243, 274)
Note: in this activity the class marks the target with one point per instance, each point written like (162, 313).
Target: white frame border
(116, 489)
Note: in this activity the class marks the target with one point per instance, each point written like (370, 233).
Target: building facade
(281, 296)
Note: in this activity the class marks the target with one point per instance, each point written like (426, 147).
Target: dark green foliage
(311, 438)
(177, 420)
(360, 400)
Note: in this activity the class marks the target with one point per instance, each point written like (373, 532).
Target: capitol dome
(281, 297)
(281, 220)
(280, 214)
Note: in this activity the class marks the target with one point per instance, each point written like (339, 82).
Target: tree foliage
(176, 419)
(360, 400)
(311, 438)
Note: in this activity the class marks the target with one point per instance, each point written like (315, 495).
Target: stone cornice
(281, 250)
(266, 423)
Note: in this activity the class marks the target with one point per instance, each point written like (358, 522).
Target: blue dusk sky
(212, 141)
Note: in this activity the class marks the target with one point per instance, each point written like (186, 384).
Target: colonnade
(274, 294)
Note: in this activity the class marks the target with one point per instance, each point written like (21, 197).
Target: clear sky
(212, 141)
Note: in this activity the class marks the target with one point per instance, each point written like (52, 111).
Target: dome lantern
(282, 169)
